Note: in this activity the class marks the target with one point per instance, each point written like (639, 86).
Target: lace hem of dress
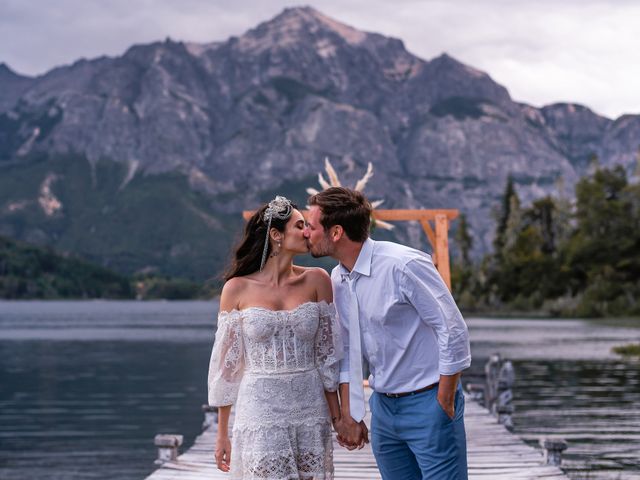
(282, 466)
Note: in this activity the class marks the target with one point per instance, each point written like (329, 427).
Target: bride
(276, 355)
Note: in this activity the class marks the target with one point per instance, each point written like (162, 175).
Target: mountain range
(144, 161)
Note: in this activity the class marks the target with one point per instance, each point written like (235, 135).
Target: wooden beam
(442, 248)
(426, 226)
(414, 214)
(393, 215)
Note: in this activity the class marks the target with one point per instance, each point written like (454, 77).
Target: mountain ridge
(241, 117)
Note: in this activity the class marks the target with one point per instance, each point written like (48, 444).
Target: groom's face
(318, 240)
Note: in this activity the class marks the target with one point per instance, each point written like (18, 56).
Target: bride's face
(293, 238)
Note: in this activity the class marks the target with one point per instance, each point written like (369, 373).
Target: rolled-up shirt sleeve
(423, 287)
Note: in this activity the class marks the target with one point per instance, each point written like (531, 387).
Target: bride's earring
(276, 252)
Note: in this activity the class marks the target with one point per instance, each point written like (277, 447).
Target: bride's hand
(351, 434)
(223, 452)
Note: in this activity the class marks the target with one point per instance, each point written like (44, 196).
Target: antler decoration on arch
(334, 181)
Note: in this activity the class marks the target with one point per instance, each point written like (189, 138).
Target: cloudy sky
(583, 51)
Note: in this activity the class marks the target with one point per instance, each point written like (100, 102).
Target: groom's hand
(365, 433)
(448, 405)
(447, 393)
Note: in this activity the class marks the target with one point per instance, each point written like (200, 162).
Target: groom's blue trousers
(414, 439)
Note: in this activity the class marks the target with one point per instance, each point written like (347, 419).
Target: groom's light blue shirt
(411, 328)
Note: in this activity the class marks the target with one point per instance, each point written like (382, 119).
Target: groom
(397, 312)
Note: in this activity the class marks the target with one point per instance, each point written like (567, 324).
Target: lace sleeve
(329, 349)
(227, 360)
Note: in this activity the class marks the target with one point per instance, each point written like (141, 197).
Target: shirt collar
(363, 262)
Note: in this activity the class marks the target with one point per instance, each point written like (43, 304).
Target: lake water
(85, 386)
(569, 384)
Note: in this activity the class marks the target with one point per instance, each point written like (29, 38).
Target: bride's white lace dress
(274, 366)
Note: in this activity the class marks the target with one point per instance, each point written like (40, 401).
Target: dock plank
(492, 452)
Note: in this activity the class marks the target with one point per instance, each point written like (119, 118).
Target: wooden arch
(438, 234)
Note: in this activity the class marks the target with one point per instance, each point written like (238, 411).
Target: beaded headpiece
(279, 208)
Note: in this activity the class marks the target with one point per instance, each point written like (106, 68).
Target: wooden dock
(493, 453)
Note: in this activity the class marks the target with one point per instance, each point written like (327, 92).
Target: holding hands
(351, 434)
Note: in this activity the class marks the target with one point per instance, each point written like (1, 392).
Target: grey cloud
(547, 51)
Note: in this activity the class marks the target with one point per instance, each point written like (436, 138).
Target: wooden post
(442, 248)
(210, 416)
(504, 416)
(491, 372)
(167, 447)
(500, 377)
(426, 226)
(476, 391)
(504, 408)
(553, 448)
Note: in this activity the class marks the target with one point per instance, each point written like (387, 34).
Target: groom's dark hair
(345, 207)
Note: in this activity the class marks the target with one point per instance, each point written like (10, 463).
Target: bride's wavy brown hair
(248, 252)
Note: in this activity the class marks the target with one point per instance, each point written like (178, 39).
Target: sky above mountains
(582, 51)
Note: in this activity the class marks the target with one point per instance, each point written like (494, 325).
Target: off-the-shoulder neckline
(265, 309)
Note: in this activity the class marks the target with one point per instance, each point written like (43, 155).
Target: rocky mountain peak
(7, 73)
(569, 110)
(295, 25)
(578, 129)
(12, 85)
(447, 63)
(566, 118)
(446, 78)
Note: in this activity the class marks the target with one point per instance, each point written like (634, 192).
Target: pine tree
(503, 216)
(602, 255)
(464, 240)
(564, 215)
(462, 271)
(513, 224)
(636, 171)
(542, 215)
